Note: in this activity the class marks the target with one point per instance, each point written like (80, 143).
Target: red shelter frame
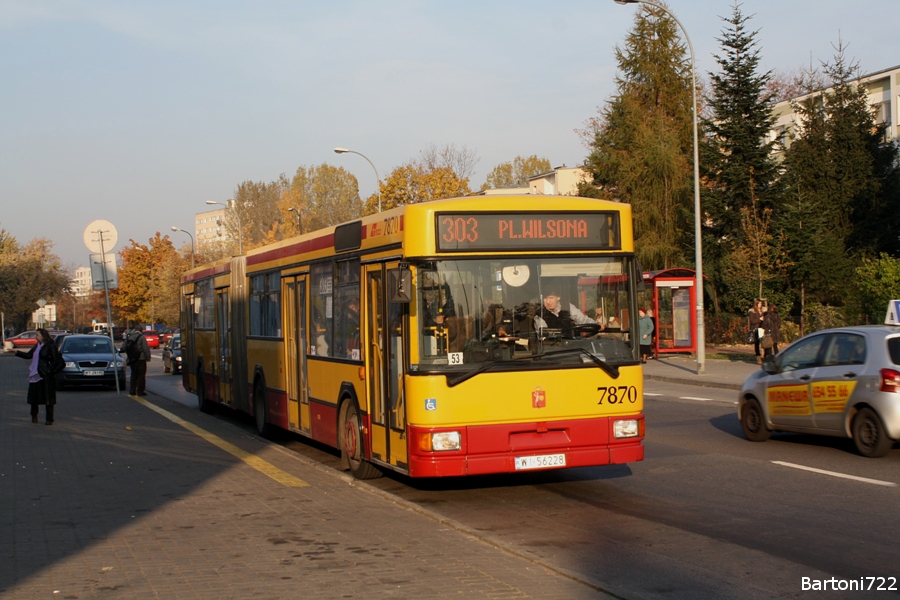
(674, 296)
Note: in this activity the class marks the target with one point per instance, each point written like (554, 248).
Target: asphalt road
(707, 514)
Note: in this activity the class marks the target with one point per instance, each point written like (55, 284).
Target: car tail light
(890, 380)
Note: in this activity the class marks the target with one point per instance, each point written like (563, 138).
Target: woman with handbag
(772, 325)
(755, 318)
(45, 359)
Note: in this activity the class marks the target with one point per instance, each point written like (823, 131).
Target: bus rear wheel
(203, 403)
(264, 428)
(351, 440)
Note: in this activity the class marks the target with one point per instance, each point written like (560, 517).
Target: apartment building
(209, 227)
(883, 88)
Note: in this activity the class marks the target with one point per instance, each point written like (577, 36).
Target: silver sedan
(841, 382)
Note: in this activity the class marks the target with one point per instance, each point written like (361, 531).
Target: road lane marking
(695, 398)
(254, 461)
(649, 394)
(835, 474)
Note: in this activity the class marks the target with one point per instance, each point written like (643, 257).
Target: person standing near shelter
(137, 353)
(755, 318)
(645, 326)
(42, 375)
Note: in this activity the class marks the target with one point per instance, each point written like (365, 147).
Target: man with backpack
(137, 353)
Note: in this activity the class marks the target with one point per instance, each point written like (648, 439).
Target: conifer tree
(641, 150)
(840, 186)
(739, 167)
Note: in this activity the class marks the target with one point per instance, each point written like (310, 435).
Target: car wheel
(869, 436)
(753, 421)
(352, 449)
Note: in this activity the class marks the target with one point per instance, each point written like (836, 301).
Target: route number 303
(617, 394)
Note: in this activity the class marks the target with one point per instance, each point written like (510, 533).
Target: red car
(152, 338)
(26, 339)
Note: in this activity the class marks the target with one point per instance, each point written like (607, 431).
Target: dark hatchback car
(172, 355)
(89, 361)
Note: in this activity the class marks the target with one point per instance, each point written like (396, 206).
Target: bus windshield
(522, 312)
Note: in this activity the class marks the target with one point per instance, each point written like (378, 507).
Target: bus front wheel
(352, 448)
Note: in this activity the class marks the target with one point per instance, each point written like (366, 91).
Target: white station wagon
(841, 382)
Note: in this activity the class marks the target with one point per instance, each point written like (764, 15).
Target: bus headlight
(440, 441)
(626, 428)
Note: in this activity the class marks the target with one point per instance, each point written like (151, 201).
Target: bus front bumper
(517, 447)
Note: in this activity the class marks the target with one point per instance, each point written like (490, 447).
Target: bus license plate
(545, 461)
(93, 373)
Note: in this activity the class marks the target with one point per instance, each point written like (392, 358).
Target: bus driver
(553, 316)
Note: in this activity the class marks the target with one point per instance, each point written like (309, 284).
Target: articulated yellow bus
(455, 337)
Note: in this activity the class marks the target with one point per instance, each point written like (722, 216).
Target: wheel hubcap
(350, 438)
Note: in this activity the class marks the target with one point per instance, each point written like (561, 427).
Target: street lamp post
(192, 242)
(238, 217)
(340, 150)
(698, 250)
(296, 211)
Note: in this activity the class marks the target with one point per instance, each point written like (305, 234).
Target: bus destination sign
(484, 232)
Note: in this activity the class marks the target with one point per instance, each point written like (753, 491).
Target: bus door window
(223, 330)
(346, 314)
(395, 364)
(377, 357)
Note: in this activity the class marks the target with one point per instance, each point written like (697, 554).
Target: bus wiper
(458, 379)
(454, 381)
(612, 371)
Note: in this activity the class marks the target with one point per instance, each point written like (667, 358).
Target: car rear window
(894, 349)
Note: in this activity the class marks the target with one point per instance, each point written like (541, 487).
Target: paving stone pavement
(118, 501)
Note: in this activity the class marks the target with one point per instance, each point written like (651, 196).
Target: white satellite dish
(516, 275)
(100, 229)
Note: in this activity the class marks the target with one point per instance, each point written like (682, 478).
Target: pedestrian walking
(137, 353)
(46, 362)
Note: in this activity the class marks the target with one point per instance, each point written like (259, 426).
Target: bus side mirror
(641, 284)
(400, 286)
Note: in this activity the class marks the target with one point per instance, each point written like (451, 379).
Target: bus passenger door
(223, 337)
(294, 294)
(385, 370)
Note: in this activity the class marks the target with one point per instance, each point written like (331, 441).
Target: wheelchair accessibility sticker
(430, 403)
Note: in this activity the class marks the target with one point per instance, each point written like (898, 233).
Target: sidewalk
(720, 373)
(119, 499)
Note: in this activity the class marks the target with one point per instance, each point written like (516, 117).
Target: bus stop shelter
(673, 296)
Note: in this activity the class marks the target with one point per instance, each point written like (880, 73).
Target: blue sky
(138, 112)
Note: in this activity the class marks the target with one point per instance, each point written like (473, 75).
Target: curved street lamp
(192, 242)
(238, 217)
(340, 150)
(698, 251)
(296, 211)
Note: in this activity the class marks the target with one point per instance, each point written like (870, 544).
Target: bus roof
(386, 231)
